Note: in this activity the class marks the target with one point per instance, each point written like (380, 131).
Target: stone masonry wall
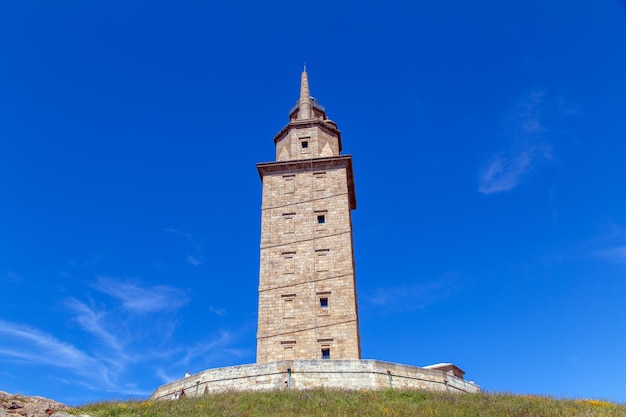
(309, 374)
(307, 297)
(322, 141)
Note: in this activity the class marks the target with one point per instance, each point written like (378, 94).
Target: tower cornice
(325, 125)
(313, 164)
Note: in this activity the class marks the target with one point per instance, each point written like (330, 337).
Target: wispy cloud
(209, 350)
(178, 232)
(607, 245)
(142, 313)
(193, 260)
(218, 311)
(142, 300)
(26, 343)
(504, 172)
(122, 332)
(409, 297)
(93, 322)
(199, 349)
(12, 276)
(615, 254)
(528, 145)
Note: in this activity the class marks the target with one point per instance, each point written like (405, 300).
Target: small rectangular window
(289, 261)
(305, 144)
(288, 222)
(289, 184)
(324, 302)
(289, 308)
(322, 260)
(320, 181)
(325, 353)
(288, 353)
(321, 219)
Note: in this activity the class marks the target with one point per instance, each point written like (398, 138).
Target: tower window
(325, 353)
(321, 219)
(322, 260)
(288, 353)
(320, 180)
(288, 222)
(289, 262)
(289, 308)
(305, 144)
(289, 184)
(324, 302)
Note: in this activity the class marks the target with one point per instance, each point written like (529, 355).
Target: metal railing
(314, 103)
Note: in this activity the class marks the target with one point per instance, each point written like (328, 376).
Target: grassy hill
(318, 403)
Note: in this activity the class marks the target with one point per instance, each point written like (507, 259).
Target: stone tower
(307, 292)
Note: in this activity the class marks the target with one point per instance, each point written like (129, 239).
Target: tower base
(308, 374)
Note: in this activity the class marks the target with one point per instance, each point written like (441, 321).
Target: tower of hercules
(307, 292)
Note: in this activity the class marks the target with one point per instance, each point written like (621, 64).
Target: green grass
(331, 403)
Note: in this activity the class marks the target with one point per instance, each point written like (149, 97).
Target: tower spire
(305, 97)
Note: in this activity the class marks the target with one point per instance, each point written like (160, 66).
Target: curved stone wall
(309, 374)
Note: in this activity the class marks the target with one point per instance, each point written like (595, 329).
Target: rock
(17, 405)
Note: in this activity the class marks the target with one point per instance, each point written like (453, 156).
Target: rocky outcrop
(17, 405)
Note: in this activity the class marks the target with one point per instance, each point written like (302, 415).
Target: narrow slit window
(325, 353)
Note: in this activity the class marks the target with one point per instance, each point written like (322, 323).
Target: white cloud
(609, 245)
(504, 173)
(13, 276)
(193, 260)
(218, 311)
(178, 232)
(143, 300)
(616, 254)
(208, 350)
(527, 146)
(25, 343)
(117, 342)
(415, 296)
(92, 321)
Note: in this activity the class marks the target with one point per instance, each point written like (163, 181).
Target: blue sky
(489, 149)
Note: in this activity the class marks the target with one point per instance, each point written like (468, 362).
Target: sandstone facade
(307, 295)
(309, 374)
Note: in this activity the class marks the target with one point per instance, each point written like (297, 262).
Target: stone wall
(309, 374)
(307, 293)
